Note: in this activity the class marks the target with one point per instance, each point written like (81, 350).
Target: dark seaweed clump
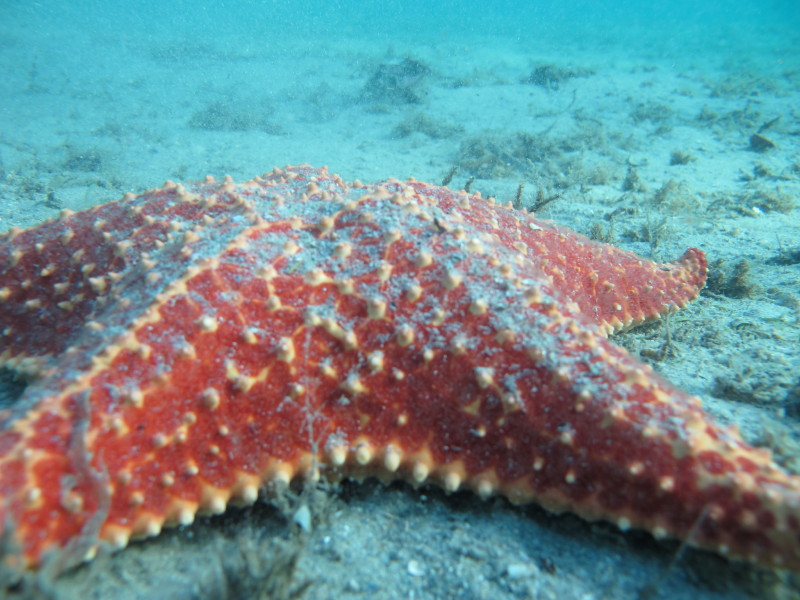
(552, 76)
(221, 116)
(397, 83)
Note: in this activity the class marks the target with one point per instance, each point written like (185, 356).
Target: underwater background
(653, 125)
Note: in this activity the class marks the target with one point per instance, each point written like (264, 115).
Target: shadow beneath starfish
(369, 540)
(11, 388)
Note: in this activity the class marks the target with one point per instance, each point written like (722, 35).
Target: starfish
(196, 344)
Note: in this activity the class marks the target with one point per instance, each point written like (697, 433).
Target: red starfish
(192, 344)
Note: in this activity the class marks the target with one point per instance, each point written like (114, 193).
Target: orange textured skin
(192, 344)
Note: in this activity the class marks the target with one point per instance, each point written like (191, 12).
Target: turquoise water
(752, 30)
(401, 19)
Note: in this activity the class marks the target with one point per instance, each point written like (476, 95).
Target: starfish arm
(57, 277)
(615, 289)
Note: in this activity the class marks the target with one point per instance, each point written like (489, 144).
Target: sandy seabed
(651, 152)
